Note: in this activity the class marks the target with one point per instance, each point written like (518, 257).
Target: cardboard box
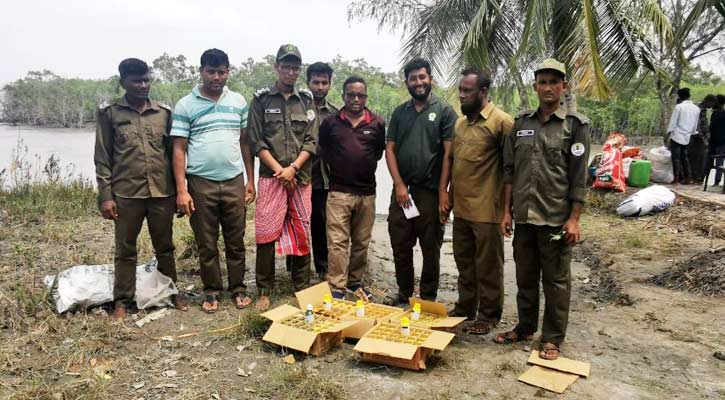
(384, 344)
(433, 315)
(289, 329)
(346, 310)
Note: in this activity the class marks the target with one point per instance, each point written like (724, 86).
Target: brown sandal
(212, 301)
(479, 328)
(546, 349)
(510, 337)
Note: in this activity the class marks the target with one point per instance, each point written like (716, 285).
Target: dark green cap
(288, 50)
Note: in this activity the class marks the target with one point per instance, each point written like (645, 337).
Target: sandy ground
(643, 342)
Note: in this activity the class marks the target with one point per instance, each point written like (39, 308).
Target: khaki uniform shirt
(477, 174)
(133, 151)
(284, 127)
(547, 165)
(320, 172)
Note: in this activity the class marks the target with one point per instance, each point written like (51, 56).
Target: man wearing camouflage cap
(280, 128)
(545, 186)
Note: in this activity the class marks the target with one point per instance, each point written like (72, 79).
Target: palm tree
(603, 42)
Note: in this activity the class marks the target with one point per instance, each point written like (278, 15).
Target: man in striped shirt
(210, 155)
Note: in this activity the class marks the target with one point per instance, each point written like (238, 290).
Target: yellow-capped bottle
(327, 302)
(360, 308)
(415, 315)
(405, 326)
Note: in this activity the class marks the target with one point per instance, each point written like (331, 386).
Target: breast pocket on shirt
(469, 150)
(157, 137)
(299, 123)
(522, 148)
(273, 123)
(556, 146)
(126, 135)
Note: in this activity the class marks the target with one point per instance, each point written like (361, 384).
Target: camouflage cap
(288, 50)
(551, 64)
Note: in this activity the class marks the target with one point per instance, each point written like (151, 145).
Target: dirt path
(659, 346)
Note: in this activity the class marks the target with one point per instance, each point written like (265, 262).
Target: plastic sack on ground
(85, 286)
(661, 159)
(610, 173)
(647, 201)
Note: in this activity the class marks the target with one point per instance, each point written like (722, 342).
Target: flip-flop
(211, 299)
(547, 347)
(242, 296)
(479, 328)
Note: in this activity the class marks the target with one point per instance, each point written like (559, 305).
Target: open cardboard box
(384, 344)
(345, 310)
(433, 315)
(289, 329)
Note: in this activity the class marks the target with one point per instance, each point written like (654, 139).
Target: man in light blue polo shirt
(210, 155)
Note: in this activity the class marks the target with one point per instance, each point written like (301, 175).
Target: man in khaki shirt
(477, 191)
(133, 171)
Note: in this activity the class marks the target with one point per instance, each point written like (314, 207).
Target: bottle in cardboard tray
(309, 315)
(405, 326)
(327, 302)
(360, 308)
(415, 315)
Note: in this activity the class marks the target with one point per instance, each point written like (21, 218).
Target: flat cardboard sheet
(281, 312)
(562, 364)
(386, 348)
(438, 340)
(548, 379)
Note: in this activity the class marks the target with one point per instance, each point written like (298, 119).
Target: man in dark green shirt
(545, 167)
(417, 154)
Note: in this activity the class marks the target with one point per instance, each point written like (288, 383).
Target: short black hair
(710, 98)
(132, 66)
(353, 79)
(214, 58)
(482, 78)
(683, 93)
(416, 63)
(319, 68)
(720, 100)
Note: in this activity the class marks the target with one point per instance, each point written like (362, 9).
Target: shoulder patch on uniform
(582, 118)
(578, 149)
(261, 92)
(104, 104)
(305, 92)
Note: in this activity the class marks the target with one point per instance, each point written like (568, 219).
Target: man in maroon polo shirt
(351, 143)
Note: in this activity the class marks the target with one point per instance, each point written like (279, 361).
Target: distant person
(716, 144)
(697, 149)
(683, 124)
(477, 188)
(545, 187)
(133, 170)
(281, 128)
(211, 153)
(319, 80)
(351, 143)
(417, 153)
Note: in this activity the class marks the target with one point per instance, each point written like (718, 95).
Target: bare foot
(262, 303)
(119, 312)
(180, 302)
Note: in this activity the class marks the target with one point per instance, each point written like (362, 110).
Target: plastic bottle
(309, 315)
(360, 308)
(415, 315)
(405, 326)
(327, 301)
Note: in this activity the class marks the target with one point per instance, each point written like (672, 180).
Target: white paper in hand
(412, 211)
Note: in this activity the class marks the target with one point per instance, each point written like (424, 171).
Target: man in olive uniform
(545, 186)
(281, 130)
(319, 80)
(477, 188)
(417, 153)
(133, 169)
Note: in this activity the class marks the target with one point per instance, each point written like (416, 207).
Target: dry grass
(288, 382)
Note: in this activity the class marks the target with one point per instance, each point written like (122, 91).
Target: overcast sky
(88, 38)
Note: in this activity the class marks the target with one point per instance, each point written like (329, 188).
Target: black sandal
(211, 299)
(241, 296)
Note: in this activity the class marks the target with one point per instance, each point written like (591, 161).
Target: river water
(74, 149)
